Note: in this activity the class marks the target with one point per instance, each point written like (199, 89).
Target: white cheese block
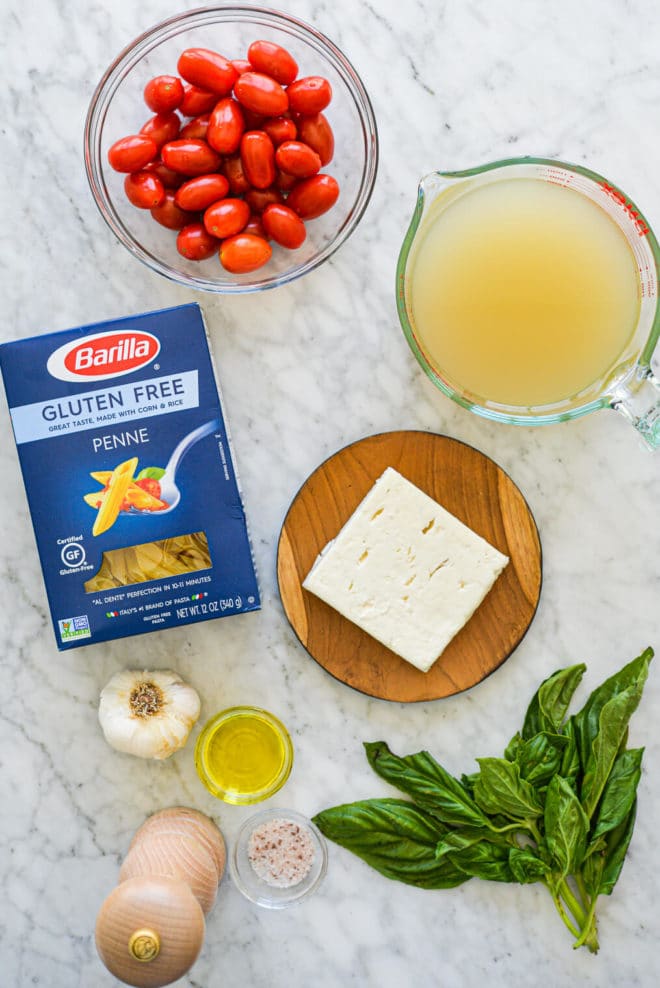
(405, 570)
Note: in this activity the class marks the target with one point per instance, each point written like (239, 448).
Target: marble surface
(306, 369)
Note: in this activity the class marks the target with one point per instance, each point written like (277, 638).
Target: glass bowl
(243, 755)
(117, 109)
(259, 891)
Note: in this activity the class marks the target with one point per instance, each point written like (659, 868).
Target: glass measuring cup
(629, 386)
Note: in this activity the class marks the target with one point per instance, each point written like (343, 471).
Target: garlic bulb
(148, 714)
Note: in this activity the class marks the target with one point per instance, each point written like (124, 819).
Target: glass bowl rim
(282, 901)
(209, 729)
(130, 56)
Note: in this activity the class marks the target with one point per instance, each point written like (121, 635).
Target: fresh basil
(429, 784)
(394, 837)
(559, 808)
(151, 473)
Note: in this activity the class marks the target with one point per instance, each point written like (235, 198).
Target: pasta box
(130, 476)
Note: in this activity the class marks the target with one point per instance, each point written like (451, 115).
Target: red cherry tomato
(164, 93)
(132, 153)
(258, 199)
(297, 159)
(170, 179)
(313, 196)
(207, 69)
(226, 218)
(241, 65)
(226, 126)
(284, 226)
(170, 215)
(274, 61)
(195, 242)
(309, 95)
(162, 128)
(144, 189)
(244, 253)
(258, 157)
(197, 128)
(317, 132)
(255, 227)
(196, 101)
(190, 157)
(200, 192)
(233, 169)
(280, 129)
(285, 182)
(261, 94)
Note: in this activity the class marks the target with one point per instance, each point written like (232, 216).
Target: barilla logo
(103, 355)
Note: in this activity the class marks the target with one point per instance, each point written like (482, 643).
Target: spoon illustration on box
(152, 491)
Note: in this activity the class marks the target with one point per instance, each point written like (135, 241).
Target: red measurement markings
(637, 219)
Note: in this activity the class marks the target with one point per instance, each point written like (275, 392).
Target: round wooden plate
(474, 489)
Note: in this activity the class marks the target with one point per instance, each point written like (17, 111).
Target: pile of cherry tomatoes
(246, 168)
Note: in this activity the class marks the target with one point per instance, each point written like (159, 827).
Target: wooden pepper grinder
(150, 929)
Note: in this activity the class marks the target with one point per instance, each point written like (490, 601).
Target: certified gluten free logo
(73, 555)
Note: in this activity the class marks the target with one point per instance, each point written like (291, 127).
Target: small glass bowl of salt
(279, 858)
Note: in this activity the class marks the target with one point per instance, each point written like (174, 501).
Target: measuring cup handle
(639, 402)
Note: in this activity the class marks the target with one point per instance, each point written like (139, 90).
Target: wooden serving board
(469, 485)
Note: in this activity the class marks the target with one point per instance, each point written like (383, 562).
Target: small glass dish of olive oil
(243, 755)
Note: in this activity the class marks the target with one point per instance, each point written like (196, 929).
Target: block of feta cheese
(405, 570)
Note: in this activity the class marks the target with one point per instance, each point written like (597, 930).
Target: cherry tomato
(226, 126)
(233, 169)
(309, 95)
(297, 159)
(244, 253)
(261, 94)
(226, 218)
(170, 215)
(274, 61)
(195, 242)
(258, 199)
(190, 157)
(197, 128)
(313, 196)
(132, 153)
(280, 129)
(317, 132)
(144, 189)
(284, 226)
(164, 93)
(200, 192)
(285, 182)
(241, 65)
(255, 227)
(258, 157)
(196, 101)
(162, 128)
(170, 179)
(207, 69)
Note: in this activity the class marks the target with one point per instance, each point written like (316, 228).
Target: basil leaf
(541, 757)
(570, 763)
(499, 789)
(619, 792)
(592, 869)
(429, 784)
(394, 837)
(617, 844)
(566, 826)
(459, 840)
(526, 867)
(513, 747)
(549, 704)
(612, 726)
(153, 473)
(586, 721)
(484, 860)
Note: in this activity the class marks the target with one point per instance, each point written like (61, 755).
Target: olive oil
(522, 292)
(244, 755)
